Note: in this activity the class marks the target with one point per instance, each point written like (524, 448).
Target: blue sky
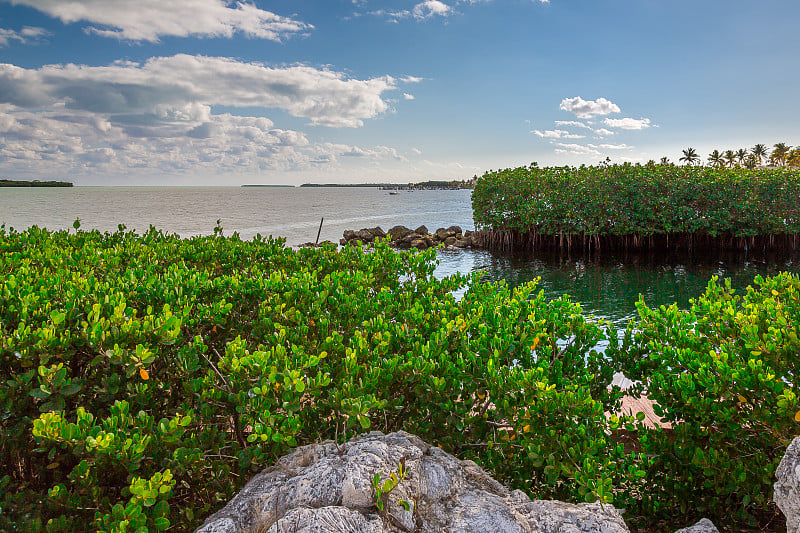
(212, 92)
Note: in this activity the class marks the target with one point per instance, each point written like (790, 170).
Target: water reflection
(608, 285)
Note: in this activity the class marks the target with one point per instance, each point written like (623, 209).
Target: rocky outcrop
(406, 238)
(703, 526)
(787, 488)
(329, 488)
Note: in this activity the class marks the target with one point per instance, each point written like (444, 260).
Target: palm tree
(715, 158)
(793, 158)
(741, 155)
(750, 162)
(778, 156)
(664, 161)
(730, 157)
(690, 156)
(760, 152)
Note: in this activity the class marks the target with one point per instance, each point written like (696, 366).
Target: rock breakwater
(421, 238)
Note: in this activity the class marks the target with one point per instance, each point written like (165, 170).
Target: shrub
(145, 378)
(724, 374)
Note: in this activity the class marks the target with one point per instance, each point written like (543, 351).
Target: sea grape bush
(145, 378)
(724, 374)
(636, 205)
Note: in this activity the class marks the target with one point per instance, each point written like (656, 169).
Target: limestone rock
(703, 526)
(787, 488)
(325, 488)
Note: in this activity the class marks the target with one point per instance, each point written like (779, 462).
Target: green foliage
(724, 374)
(384, 488)
(145, 378)
(639, 200)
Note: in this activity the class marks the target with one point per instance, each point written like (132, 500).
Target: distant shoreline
(33, 183)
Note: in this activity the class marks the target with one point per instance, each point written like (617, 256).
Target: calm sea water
(606, 287)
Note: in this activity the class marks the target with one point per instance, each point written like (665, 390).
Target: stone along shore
(420, 239)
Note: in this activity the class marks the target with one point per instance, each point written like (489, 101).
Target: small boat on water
(393, 192)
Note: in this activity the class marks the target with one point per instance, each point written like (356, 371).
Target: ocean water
(606, 287)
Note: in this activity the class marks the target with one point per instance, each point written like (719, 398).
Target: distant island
(431, 185)
(33, 183)
(259, 185)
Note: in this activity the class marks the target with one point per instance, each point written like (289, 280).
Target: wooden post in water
(319, 230)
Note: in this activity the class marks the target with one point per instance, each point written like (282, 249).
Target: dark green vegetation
(145, 378)
(34, 183)
(639, 206)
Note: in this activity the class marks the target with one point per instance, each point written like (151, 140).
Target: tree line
(781, 155)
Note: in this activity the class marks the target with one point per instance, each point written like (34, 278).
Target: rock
(343, 241)
(398, 232)
(787, 488)
(422, 230)
(461, 243)
(409, 238)
(450, 241)
(703, 526)
(441, 234)
(419, 244)
(455, 230)
(328, 488)
(349, 235)
(378, 232)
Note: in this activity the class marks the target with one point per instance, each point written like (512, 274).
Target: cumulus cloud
(148, 20)
(323, 96)
(628, 123)
(557, 134)
(574, 123)
(614, 146)
(421, 11)
(577, 149)
(408, 96)
(588, 108)
(160, 115)
(603, 132)
(25, 35)
(431, 8)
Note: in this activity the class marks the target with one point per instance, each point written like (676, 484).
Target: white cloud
(588, 108)
(615, 146)
(576, 149)
(158, 117)
(603, 132)
(23, 36)
(628, 123)
(60, 142)
(325, 97)
(147, 20)
(430, 8)
(574, 123)
(557, 134)
(421, 11)
(408, 96)
(417, 151)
